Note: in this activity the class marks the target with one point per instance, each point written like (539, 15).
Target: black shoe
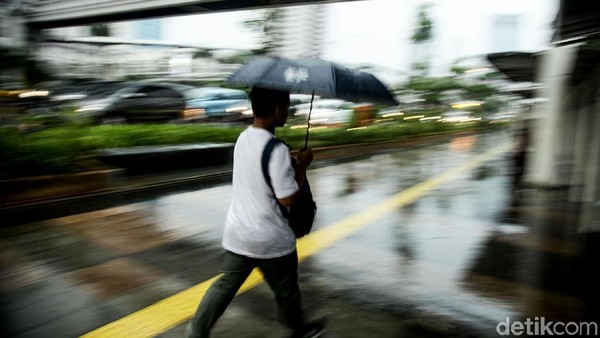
(314, 329)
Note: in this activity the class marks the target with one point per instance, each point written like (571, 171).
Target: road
(426, 241)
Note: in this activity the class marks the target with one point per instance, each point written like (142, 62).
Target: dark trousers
(281, 274)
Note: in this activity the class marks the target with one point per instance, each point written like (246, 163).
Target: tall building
(148, 29)
(505, 33)
(12, 30)
(299, 30)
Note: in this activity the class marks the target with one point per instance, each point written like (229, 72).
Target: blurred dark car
(214, 102)
(66, 95)
(136, 101)
(63, 84)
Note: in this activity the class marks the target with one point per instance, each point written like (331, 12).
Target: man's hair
(265, 100)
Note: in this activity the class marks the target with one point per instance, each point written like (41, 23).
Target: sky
(377, 32)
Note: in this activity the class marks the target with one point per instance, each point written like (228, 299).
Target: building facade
(299, 30)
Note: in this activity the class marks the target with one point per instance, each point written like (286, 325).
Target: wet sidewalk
(453, 257)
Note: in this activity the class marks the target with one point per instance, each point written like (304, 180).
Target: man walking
(256, 233)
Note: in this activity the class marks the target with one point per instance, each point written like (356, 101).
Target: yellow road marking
(167, 313)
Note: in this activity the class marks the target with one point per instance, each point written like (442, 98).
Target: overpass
(64, 13)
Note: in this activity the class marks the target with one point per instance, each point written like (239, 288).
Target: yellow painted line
(167, 313)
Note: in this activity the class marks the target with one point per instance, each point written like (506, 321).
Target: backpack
(302, 212)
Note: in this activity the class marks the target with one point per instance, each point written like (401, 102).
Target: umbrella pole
(308, 121)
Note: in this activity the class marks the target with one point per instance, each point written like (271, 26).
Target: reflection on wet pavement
(455, 262)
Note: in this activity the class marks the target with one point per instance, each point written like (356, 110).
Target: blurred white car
(297, 100)
(458, 117)
(327, 111)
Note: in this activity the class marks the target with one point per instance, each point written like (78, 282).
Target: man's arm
(304, 159)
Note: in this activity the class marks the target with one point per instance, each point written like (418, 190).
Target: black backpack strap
(266, 157)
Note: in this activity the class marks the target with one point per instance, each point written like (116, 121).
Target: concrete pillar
(13, 35)
(589, 222)
(587, 174)
(547, 136)
(567, 127)
(15, 30)
(583, 115)
(591, 191)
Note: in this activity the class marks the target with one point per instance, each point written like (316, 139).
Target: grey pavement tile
(146, 295)
(515, 263)
(176, 332)
(53, 303)
(349, 315)
(18, 272)
(189, 259)
(115, 277)
(62, 250)
(73, 324)
(239, 320)
(124, 230)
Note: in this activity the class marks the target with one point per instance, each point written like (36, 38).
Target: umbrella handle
(308, 121)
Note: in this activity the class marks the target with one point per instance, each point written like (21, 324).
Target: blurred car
(327, 111)
(390, 112)
(77, 91)
(297, 100)
(136, 101)
(502, 117)
(63, 84)
(240, 111)
(458, 116)
(214, 102)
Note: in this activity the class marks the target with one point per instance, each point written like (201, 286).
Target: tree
(238, 58)
(421, 38)
(428, 84)
(33, 70)
(11, 57)
(100, 30)
(432, 88)
(458, 70)
(479, 91)
(265, 24)
(492, 105)
(202, 53)
(424, 28)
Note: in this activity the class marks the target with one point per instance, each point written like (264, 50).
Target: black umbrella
(312, 76)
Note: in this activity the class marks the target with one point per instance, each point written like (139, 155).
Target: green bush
(72, 148)
(30, 154)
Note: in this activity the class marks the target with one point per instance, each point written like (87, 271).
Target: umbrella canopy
(312, 75)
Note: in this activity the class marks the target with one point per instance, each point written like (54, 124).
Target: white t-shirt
(255, 226)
